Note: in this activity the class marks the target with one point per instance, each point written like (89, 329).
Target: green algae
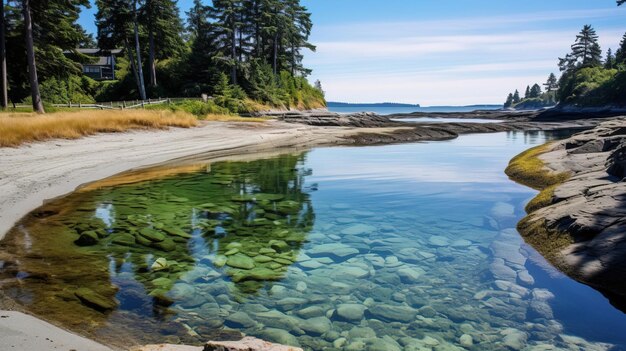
(121, 253)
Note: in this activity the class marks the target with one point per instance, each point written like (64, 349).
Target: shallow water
(394, 247)
(446, 120)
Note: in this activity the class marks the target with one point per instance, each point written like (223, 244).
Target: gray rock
(338, 251)
(316, 326)
(410, 275)
(240, 320)
(280, 336)
(350, 311)
(438, 241)
(311, 311)
(391, 313)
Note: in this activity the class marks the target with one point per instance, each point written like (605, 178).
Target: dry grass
(233, 118)
(20, 128)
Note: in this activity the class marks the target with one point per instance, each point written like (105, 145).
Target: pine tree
(164, 26)
(620, 54)
(30, 54)
(509, 101)
(552, 83)
(586, 50)
(609, 62)
(318, 85)
(527, 93)
(535, 91)
(117, 23)
(4, 100)
(224, 15)
(297, 34)
(516, 98)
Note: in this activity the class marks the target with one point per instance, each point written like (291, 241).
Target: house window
(91, 69)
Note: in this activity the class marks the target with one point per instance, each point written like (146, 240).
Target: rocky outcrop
(588, 209)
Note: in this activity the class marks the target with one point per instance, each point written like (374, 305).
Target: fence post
(142, 106)
(69, 104)
(80, 104)
(123, 104)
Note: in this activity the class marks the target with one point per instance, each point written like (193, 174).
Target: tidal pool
(399, 247)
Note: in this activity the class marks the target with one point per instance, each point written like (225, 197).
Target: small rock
(466, 340)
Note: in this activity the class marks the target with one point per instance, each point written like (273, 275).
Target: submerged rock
(159, 265)
(94, 300)
(250, 344)
(316, 326)
(240, 261)
(392, 313)
(350, 311)
(240, 320)
(151, 235)
(338, 251)
(87, 238)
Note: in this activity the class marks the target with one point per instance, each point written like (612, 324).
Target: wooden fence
(119, 105)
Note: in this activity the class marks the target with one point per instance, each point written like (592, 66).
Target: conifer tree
(30, 55)
(609, 62)
(509, 101)
(620, 54)
(4, 99)
(117, 22)
(516, 98)
(535, 91)
(527, 93)
(164, 26)
(586, 51)
(552, 83)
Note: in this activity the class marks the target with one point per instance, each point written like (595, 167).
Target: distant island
(335, 104)
(382, 104)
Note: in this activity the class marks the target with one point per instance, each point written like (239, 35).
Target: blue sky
(445, 52)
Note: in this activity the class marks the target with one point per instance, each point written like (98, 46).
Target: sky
(443, 52)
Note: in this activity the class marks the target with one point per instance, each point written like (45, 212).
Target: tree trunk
(275, 55)
(4, 100)
(257, 29)
(30, 53)
(131, 59)
(142, 86)
(233, 70)
(151, 49)
(151, 60)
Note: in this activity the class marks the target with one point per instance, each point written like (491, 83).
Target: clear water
(446, 120)
(407, 109)
(408, 247)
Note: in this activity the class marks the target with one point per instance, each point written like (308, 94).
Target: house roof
(97, 51)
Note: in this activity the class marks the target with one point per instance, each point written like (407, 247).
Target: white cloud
(453, 62)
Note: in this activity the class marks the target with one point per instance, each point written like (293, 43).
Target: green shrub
(590, 86)
(195, 107)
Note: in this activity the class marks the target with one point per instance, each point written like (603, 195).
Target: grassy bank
(20, 128)
(528, 169)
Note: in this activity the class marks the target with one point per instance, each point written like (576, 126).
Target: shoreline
(577, 223)
(42, 171)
